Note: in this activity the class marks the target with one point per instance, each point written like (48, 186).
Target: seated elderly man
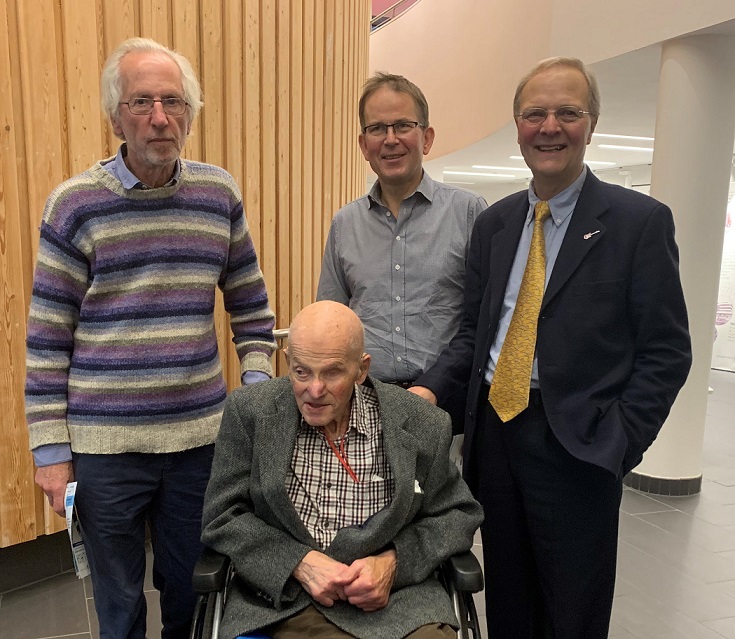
(334, 496)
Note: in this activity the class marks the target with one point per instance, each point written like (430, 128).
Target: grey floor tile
(50, 608)
(631, 525)
(617, 632)
(670, 586)
(727, 587)
(726, 627)
(646, 618)
(682, 553)
(718, 493)
(636, 503)
(624, 587)
(710, 536)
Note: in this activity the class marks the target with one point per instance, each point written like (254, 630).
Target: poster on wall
(723, 351)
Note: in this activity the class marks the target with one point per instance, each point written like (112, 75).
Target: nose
(390, 135)
(158, 115)
(550, 124)
(316, 388)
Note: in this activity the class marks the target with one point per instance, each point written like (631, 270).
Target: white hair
(112, 82)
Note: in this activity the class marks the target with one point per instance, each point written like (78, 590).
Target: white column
(695, 127)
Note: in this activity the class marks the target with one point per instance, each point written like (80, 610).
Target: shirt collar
(561, 205)
(426, 187)
(129, 180)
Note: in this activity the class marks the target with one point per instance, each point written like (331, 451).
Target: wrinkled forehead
(555, 86)
(150, 71)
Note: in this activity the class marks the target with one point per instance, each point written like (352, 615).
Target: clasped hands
(365, 583)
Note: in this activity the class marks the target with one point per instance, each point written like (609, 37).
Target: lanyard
(340, 454)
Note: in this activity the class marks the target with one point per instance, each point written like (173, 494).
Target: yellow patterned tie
(512, 379)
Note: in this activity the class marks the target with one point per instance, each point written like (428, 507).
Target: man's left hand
(375, 575)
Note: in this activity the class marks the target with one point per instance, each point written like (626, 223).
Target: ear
(363, 145)
(286, 354)
(117, 127)
(593, 124)
(364, 367)
(428, 139)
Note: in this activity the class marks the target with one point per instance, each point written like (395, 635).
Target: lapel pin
(587, 236)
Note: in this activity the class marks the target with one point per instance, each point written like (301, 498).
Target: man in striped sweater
(124, 389)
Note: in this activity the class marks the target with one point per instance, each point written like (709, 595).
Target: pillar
(695, 127)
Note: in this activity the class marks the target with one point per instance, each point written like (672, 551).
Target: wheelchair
(460, 575)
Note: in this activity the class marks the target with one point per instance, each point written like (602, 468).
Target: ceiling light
(625, 148)
(520, 157)
(623, 137)
(505, 175)
(501, 168)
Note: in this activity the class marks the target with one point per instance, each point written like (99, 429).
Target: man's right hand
(424, 392)
(53, 480)
(323, 577)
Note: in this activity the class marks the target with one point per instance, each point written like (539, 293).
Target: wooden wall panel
(281, 80)
(17, 506)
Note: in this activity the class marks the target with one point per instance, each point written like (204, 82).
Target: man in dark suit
(335, 498)
(573, 346)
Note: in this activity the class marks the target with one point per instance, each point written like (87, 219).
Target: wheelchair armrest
(464, 572)
(210, 572)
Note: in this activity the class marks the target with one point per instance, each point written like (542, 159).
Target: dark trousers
(115, 496)
(550, 530)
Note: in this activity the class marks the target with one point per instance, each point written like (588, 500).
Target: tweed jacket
(249, 516)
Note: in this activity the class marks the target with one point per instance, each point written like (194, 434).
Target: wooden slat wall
(281, 81)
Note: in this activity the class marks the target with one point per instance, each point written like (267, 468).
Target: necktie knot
(542, 210)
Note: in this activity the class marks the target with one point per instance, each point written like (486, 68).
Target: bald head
(327, 326)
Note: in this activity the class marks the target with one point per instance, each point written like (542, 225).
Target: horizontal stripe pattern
(122, 350)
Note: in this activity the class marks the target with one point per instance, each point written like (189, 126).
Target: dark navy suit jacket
(613, 344)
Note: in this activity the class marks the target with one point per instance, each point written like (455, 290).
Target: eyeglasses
(144, 106)
(565, 114)
(380, 130)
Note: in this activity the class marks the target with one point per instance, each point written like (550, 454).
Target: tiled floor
(676, 566)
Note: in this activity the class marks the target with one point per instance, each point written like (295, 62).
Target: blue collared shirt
(119, 170)
(555, 228)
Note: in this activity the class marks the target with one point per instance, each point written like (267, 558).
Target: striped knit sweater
(122, 352)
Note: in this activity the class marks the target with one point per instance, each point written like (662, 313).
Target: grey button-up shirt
(403, 277)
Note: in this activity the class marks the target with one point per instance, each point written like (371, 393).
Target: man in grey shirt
(396, 256)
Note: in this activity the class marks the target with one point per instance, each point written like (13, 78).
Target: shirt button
(398, 238)
(325, 523)
(387, 214)
(398, 359)
(558, 220)
(398, 298)
(329, 484)
(398, 267)
(398, 329)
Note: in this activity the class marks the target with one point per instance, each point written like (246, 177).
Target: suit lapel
(274, 448)
(503, 246)
(401, 449)
(583, 232)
